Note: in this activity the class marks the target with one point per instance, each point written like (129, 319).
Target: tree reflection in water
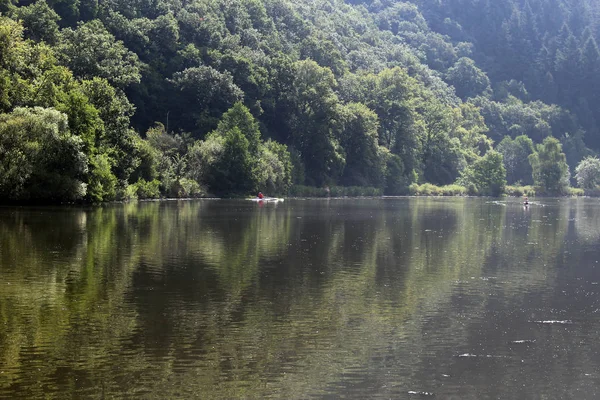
(355, 298)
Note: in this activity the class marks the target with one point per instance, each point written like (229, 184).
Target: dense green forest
(115, 99)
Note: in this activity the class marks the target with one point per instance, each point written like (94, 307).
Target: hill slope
(259, 94)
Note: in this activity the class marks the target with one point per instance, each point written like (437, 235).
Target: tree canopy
(170, 98)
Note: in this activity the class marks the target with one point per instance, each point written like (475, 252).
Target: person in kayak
(260, 195)
(526, 200)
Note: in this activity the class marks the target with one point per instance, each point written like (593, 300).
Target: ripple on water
(416, 299)
(553, 322)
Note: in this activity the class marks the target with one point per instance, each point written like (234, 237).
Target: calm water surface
(306, 299)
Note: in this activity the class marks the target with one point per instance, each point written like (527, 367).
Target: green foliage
(274, 169)
(576, 192)
(515, 154)
(147, 161)
(203, 156)
(69, 10)
(249, 74)
(588, 173)
(146, 189)
(40, 21)
(490, 174)
(308, 191)
(334, 191)
(376, 94)
(487, 175)
(441, 158)
(102, 183)
(239, 116)
(233, 159)
(84, 120)
(7, 5)
(548, 46)
(468, 126)
(323, 52)
(170, 170)
(203, 94)
(190, 188)
(432, 137)
(40, 160)
(574, 148)
(365, 165)
(312, 130)
(520, 191)
(427, 189)
(171, 160)
(118, 139)
(91, 51)
(467, 79)
(165, 142)
(550, 169)
(24, 67)
(536, 120)
(394, 96)
(354, 191)
(298, 172)
(396, 183)
(232, 172)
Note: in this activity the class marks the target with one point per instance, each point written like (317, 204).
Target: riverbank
(428, 189)
(414, 190)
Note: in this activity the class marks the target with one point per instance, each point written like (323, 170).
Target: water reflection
(322, 299)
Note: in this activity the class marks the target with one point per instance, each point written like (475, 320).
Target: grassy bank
(427, 189)
(334, 191)
(520, 191)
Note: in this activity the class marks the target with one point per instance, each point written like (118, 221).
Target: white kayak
(267, 199)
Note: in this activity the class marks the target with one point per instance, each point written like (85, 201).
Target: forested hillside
(118, 99)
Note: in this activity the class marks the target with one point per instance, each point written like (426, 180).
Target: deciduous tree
(549, 165)
(588, 173)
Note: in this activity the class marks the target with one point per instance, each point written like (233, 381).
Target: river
(452, 298)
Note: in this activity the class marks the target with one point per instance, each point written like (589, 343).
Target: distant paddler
(260, 195)
(526, 201)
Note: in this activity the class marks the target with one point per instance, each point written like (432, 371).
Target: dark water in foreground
(355, 299)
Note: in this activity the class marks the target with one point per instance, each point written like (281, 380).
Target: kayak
(267, 199)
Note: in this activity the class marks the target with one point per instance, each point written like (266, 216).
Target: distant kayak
(266, 199)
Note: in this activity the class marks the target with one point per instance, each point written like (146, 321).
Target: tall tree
(358, 136)
(516, 159)
(588, 173)
(40, 21)
(40, 160)
(549, 165)
(468, 80)
(91, 51)
(312, 123)
(203, 94)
